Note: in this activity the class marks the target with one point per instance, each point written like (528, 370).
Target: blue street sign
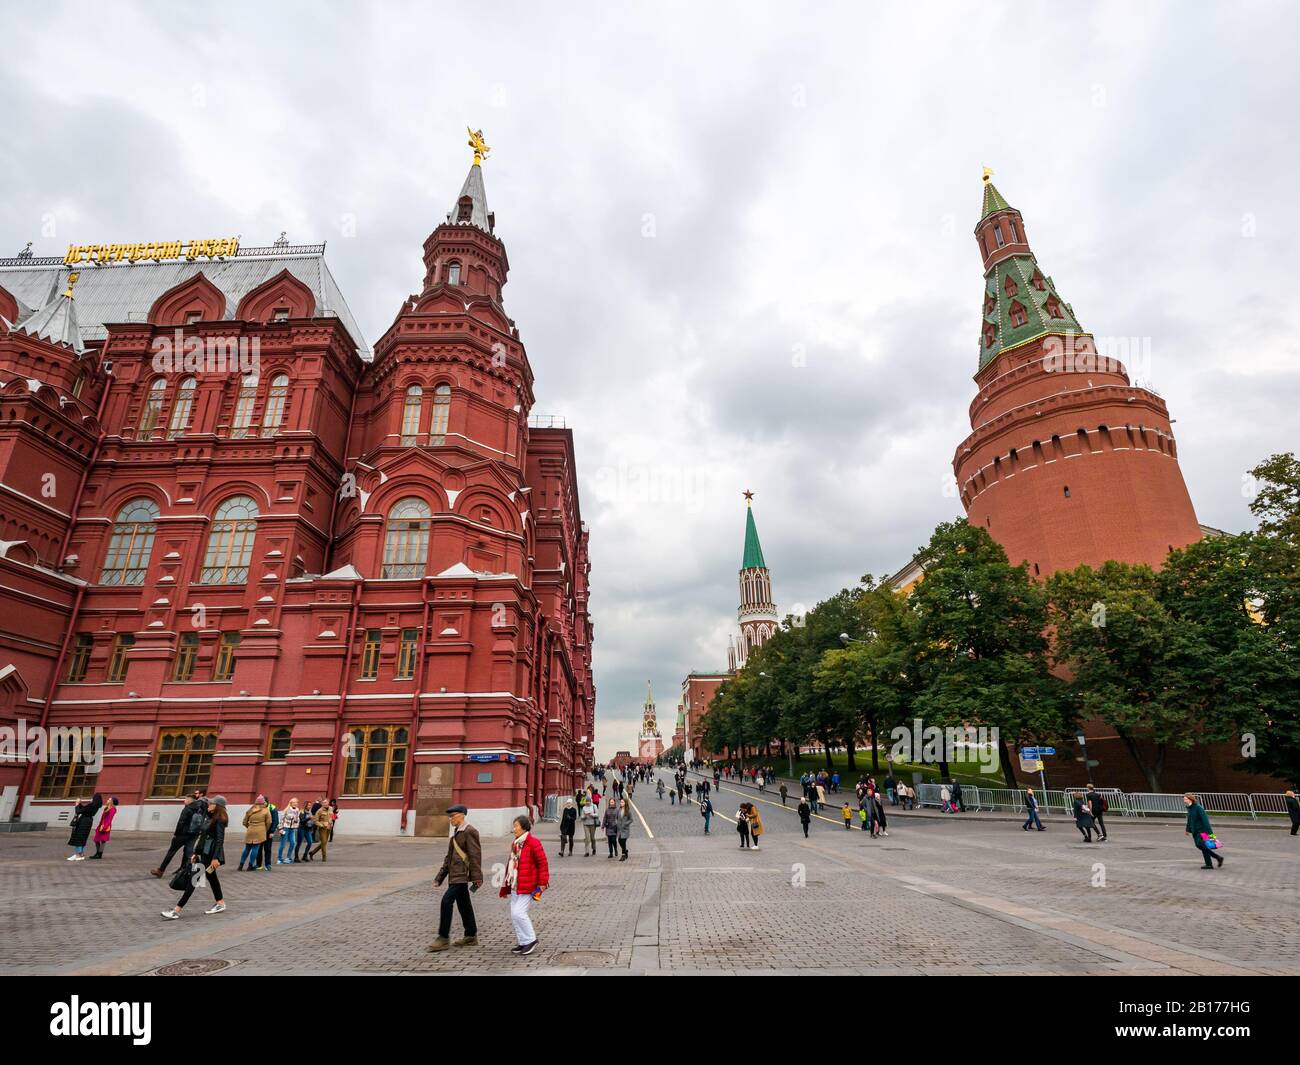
(1029, 753)
(485, 758)
(1044, 751)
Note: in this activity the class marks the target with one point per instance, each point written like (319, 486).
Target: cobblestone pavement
(953, 895)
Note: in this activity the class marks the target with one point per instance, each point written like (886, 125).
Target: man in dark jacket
(191, 822)
(568, 826)
(463, 867)
(1098, 807)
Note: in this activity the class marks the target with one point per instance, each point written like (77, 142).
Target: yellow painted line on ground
(793, 809)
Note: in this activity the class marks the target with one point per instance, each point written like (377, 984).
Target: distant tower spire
(757, 612)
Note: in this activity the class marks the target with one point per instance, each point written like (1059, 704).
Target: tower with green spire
(757, 613)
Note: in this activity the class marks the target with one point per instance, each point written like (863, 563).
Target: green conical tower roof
(993, 201)
(753, 549)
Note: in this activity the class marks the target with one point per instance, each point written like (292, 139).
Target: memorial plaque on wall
(432, 797)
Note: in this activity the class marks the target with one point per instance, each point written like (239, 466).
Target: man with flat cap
(463, 867)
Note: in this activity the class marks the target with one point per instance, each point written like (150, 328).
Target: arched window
(441, 411)
(131, 543)
(230, 543)
(453, 273)
(244, 403)
(276, 398)
(182, 408)
(406, 544)
(152, 413)
(411, 407)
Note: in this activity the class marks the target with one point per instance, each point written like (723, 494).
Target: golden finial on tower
(479, 145)
(72, 280)
(988, 173)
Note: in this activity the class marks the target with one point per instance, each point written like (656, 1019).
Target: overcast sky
(740, 235)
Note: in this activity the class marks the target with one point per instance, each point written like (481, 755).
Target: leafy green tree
(984, 658)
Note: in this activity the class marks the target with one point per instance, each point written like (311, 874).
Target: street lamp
(1082, 740)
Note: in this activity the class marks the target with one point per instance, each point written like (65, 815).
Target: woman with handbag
(1198, 827)
(83, 817)
(527, 876)
(209, 854)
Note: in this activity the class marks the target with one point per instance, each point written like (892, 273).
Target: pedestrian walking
(289, 822)
(590, 822)
(306, 835)
(1031, 806)
(324, 831)
(193, 817)
(105, 826)
(272, 829)
(847, 812)
(462, 869)
(209, 855)
(83, 818)
(706, 811)
(1083, 820)
(1198, 827)
(805, 816)
(624, 827)
(568, 826)
(784, 792)
(958, 805)
(257, 822)
(659, 789)
(1097, 806)
(1293, 809)
(879, 824)
(610, 823)
(527, 876)
(755, 824)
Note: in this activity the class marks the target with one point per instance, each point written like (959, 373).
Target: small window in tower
(989, 304)
(1053, 306)
(280, 314)
(1067, 491)
(1010, 286)
(1018, 314)
(464, 209)
(1015, 233)
(997, 235)
(1038, 282)
(1037, 572)
(193, 317)
(990, 334)
(453, 273)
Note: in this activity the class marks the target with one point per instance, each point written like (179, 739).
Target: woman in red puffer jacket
(527, 874)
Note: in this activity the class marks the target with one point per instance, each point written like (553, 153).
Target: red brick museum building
(266, 559)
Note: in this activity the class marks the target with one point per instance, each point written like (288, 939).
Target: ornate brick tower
(757, 611)
(1068, 462)
(650, 744)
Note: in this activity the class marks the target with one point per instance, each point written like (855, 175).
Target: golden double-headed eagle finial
(479, 145)
(72, 280)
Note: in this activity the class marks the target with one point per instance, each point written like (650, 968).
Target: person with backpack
(1031, 805)
(188, 826)
(706, 811)
(209, 855)
(1098, 805)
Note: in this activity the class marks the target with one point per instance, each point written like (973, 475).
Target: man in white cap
(463, 867)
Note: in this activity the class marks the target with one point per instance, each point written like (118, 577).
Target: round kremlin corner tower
(1068, 462)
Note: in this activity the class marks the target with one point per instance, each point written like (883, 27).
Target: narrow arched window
(411, 407)
(453, 273)
(182, 408)
(244, 404)
(441, 412)
(230, 543)
(276, 398)
(406, 542)
(131, 544)
(151, 415)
